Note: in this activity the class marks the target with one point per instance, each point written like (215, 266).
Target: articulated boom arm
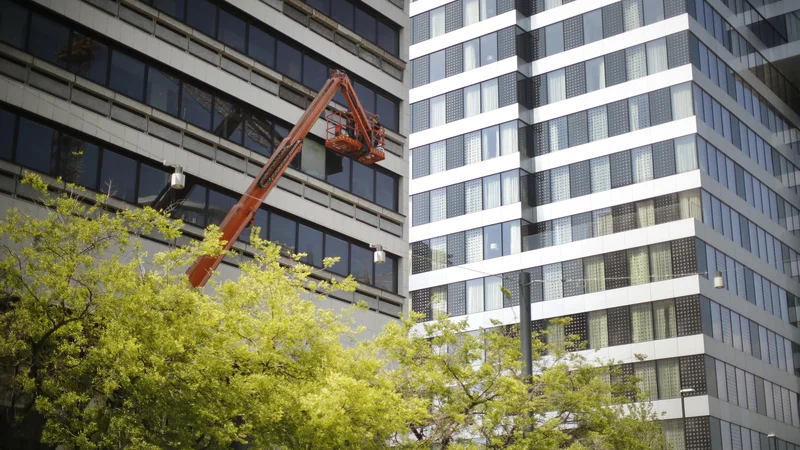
(354, 132)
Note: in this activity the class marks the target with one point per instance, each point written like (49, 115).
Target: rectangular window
(48, 40)
(488, 9)
(261, 46)
(127, 75)
(653, 11)
(553, 285)
(438, 112)
(595, 74)
(511, 238)
(594, 271)
(162, 91)
(436, 65)
(489, 95)
(665, 319)
(94, 68)
(362, 266)
(337, 248)
(491, 191)
(592, 27)
(232, 30)
(37, 146)
(493, 293)
(488, 49)
(556, 86)
(661, 261)
(471, 12)
(554, 38)
(474, 295)
(681, 101)
(642, 322)
(13, 24)
(642, 159)
(471, 54)
(437, 22)
(202, 15)
(472, 100)
(657, 56)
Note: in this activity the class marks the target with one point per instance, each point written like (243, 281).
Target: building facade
(104, 93)
(622, 153)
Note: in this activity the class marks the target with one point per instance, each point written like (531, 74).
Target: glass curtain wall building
(621, 153)
(102, 93)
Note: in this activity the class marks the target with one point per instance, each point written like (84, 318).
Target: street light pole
(525, 331)
(683, 393)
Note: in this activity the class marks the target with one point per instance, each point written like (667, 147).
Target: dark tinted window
(218, 206)
(387, 112)
(366, 96)
(127, 75)
(118, 176)
(363, 181)
(261, 46)
(192, 207)
(387, 38)
(257, 135)
(93, 60)
(310, 242)
(337, 171)
(196, 106)
(13, 23)
(79, 161)
(153, 184)
(342, 12)
(386, 274)
(260, 222)
(314, 73)
(289, 61)
(385, 190)
(228, 120)
(7, 125)
(335, 247)
(361, 263)
(232, 30)
(323, 6)
(36, 144)
(278, 134)
(162, 91)
(366, 25)
(48, 40)
(202, 15)
(282, 231)
(174, 8)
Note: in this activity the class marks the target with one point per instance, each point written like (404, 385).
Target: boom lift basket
(343, 137)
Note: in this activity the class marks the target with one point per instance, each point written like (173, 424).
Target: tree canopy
(103, 345)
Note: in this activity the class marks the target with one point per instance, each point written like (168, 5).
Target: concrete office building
(214, 86)
(621, 152)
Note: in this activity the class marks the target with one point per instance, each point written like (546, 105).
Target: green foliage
(103, 346)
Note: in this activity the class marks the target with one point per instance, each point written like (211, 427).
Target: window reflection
(335, 247)
(218, 206)
(191, 206)
(363, 181)
(258, 135)
(202, 15)
(78, 161)
(232, 30)
(162, 91)
(36, 144)
(228, 120)
(89, 58)
(283, 231)
(118, 176)
(361, 263)
(13, 24)
(49, 40)
(196, 106)
(127, 75)
(310, 242)
(153, 186)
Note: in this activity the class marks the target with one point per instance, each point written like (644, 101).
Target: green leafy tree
(476, 397)
(104, 346)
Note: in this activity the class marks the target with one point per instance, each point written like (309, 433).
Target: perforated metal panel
(674, 8)
(421, 257)
(687, 313)
(598, 123)
(420, 71)
(639, 112)
(455, 152)
(558, 134)
(455, 200)
(575, 76)
(616, 266)
(660, 107)
(663, 159)
(684, 257)
(635, 62)
(457, 299)
(438, 253)
(474, 195)
(612, 20)
(579, 326)
(573, 277)
(474, 244)
(619, 326)
(580, 183)
(698, 433)
(420, 28)
(537, 290)
(577, 128)
(573, 32)
(472, 147)
(632, 14)
(454, 60)
(504, 6)
(506, 43)
(621, 173)
(541, 139)
(419, 116)
(420, 209)
(537, 44)
(420, 162)
(615, 68)
(624, 217)
(507, 87)
(666, 208)
(678, 48)
(693, 374)
(421, 303)
(453, 16)
(617, 118)
(542, 186)
(456, 249)
(511, 282)
(454, 105)
(581, 226)
(438, 204)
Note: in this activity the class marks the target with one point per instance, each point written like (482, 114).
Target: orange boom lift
(355, 133)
